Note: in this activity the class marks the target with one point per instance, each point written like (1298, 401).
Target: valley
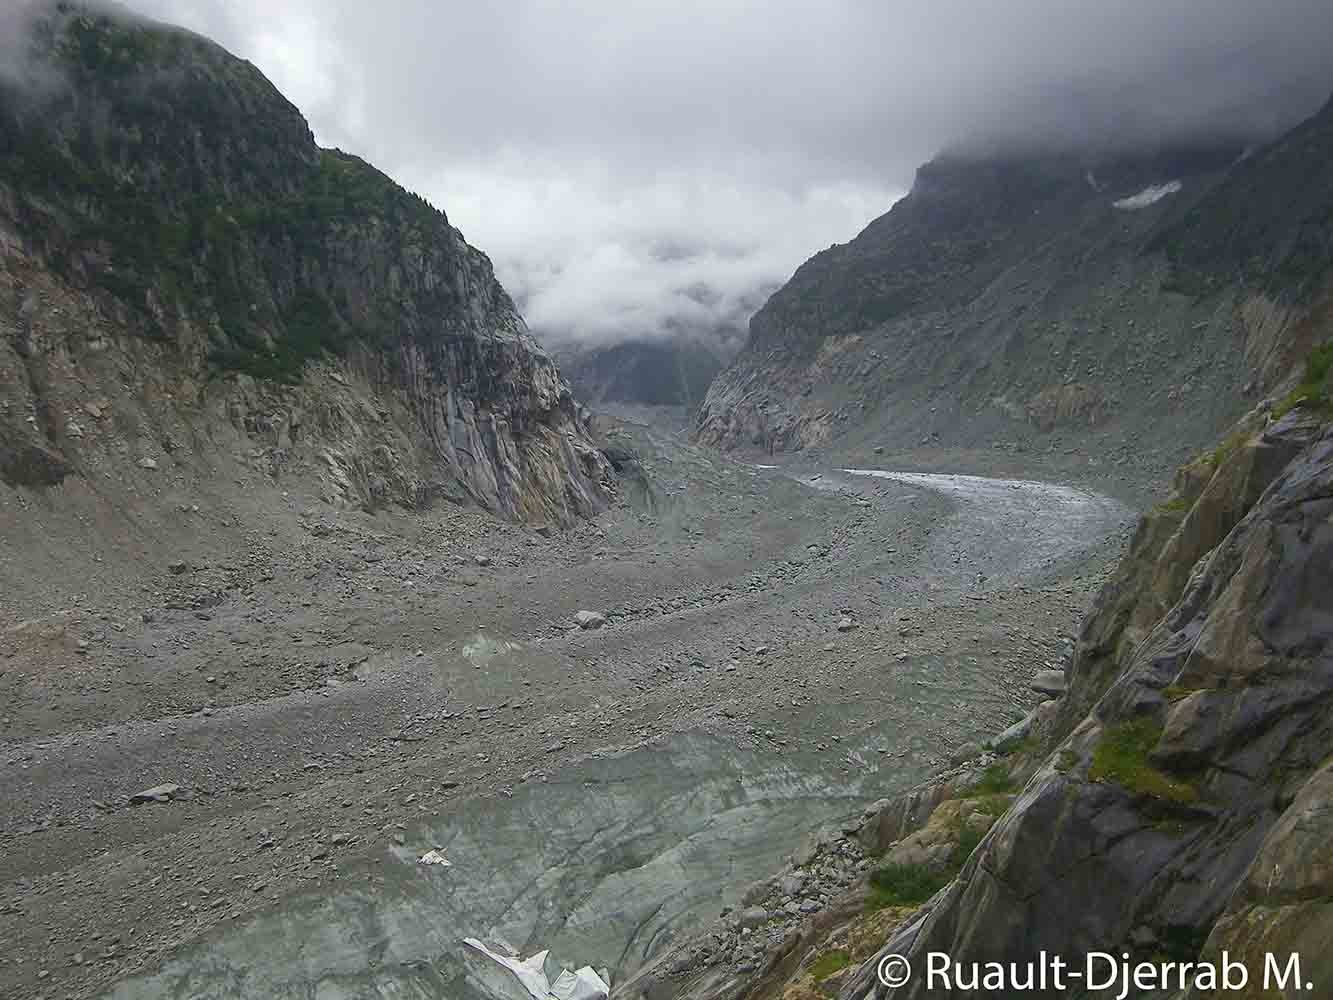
(977, 598)
(776, 654)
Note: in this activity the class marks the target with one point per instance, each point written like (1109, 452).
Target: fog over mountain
(613, 157)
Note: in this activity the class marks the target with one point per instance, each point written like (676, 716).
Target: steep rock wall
(177, 249)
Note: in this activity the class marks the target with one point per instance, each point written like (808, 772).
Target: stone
(966, 752)
(589, 619)
(147, 463)
(159, 793)
(177, 568)
(752, 917)
(1049, 682)
(1014, 735)
(482, 560)
(846, 625)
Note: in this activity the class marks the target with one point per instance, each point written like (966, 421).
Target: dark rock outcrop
(1165, 818)
(178, 250)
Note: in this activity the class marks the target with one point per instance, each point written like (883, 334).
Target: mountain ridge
(1027, 304)
(181, 203)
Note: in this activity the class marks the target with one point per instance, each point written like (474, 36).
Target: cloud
(615, 157)
(594, 254)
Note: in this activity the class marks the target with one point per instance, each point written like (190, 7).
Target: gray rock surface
(1049, 682)
(1221, 710)
(589, 619)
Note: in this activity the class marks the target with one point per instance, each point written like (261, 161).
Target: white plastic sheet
(585, 984)
(581, 984)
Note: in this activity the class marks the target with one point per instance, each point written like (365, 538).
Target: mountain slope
(1034, 303)
(1178, 794)
(187, 274)
(1171, 801)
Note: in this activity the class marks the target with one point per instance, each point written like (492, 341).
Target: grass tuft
(904, 885)
(995, 780)
(829, 963)
(1314, 390)
(1122, 757)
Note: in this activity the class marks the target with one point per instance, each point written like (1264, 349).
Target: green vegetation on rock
(896, 884)
(1176, 505)
(829, 963)
(174, 177)
(1315, 390)
(905, 885)
(995, 780)
(1122, 757)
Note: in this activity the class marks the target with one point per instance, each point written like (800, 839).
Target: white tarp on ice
(582, 984)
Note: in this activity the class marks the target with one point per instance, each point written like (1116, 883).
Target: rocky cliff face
(189, 281)
(1186, 812)
(1048, 302)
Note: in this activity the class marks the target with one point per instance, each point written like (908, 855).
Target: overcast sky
(615, 156)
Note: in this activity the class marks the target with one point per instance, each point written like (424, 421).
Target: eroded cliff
(189, 282)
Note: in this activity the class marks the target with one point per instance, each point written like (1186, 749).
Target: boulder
(752, 917)
(590, 619)
(160, 793)
(1049, 682)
